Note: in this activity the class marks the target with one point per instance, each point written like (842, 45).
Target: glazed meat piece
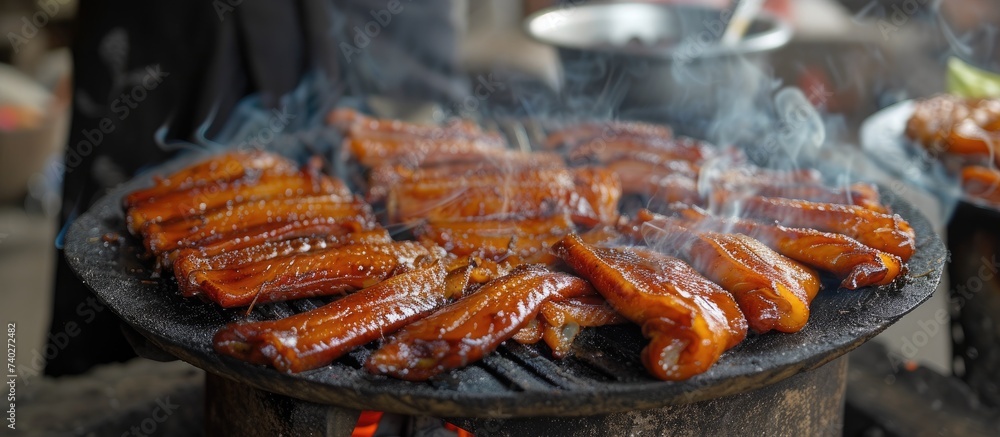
(956, 125)
(689, 320)
(319, 273)
(888, 233)
(275, 231)
(855, 264)
(860, 194)
(351, 121)
(381, 179)
(644, 173)
(527, 240)
(189, 261)
(564, 319)
(982, 182)
(773, 291)
(527, 194)
(600, 191)
(467, 330)
(198, 200)
(660, 189)
(574, 135)
(652, 150)
(316, 338)
(214, 224)
(424, 145)
(590, 196)
(230, 166)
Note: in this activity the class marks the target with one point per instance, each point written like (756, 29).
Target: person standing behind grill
(180, 67)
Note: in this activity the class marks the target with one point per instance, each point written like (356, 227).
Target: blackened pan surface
(603, 376)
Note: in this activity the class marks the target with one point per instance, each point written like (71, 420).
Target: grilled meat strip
(854, 263)
(192, 260)
(574, 135)
(653, 150)
(381, 179)
(773, 291)
(316, 338)
(214, 224)
(275, 231)
(590, 196)
(221, 168)
(199, 200)
(527, 240)
(982, 182)
(319, 273)
(689, 320)
(888, 233)
(467, 330)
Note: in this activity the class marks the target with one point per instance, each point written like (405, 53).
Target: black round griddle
(603, 376)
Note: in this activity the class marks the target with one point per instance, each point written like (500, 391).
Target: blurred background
(851, 58)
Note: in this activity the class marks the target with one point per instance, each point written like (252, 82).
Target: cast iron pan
(604, 375)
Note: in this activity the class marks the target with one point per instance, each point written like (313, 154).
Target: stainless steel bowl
(628, 56)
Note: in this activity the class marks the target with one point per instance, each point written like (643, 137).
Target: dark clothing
(167, 69)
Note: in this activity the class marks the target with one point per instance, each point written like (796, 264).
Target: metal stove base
(810, 403)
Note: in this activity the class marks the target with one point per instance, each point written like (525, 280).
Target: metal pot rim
(778, 32)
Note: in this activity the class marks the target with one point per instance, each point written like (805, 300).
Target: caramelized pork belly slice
(226, 167)
(527, 240)
(275, 231)
(860, 194)
(319, 273)
(934, 118)
(640, 170)
(316, 338)
(574, 135)
(191, 260)
(661, 189)
(564, 319)
(956, 125)
(982, 182)
(689, 320)
(888, 233)
(773, 291)
(198, 200)
(652, 150)
(373, 148)
(381, 179)
(741, 175)
(187, 232)
(590, 196)
(854, 263)
(349, 120)
(600, 191)
(467, 330)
